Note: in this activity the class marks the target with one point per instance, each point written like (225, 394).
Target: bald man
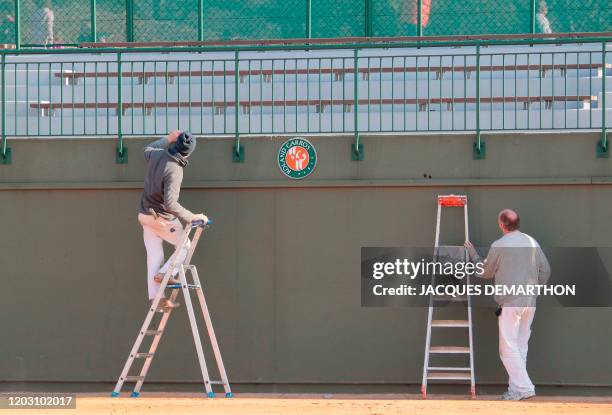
(515, 259)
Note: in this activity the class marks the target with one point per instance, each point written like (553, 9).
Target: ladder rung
(449, 376)
(450, 323)
(217, 382)
(449, 349)
(190, 286)
(134, 378)
(153, 332)
(143, 355)
(448, 298)
(449, 368)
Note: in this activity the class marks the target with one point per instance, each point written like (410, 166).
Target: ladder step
(217, 382)
(461, 369)
(190, 286)
(143, 355)
(153, 332)
(449, 376)
(448, 298)
(134, 378)
(450, 323)
(449, 349)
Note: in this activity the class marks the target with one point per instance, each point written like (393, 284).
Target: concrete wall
(281, 264)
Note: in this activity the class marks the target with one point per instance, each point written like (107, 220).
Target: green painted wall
(281, 264)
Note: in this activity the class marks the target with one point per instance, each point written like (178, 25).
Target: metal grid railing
(69, 22)
(393, 88)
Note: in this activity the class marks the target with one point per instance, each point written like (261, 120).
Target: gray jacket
(163, 183)
(516, 259)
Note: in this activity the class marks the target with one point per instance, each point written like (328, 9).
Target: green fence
(475, 86)
(69, 22)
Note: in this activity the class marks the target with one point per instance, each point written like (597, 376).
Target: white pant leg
(525, 332)
(155, 258)
(173, 234)
(154, 233)
(513, 346)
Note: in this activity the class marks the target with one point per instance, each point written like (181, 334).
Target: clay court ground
(341, 404)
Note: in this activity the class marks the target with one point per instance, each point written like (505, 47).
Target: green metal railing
(70, 22)
(469, 86)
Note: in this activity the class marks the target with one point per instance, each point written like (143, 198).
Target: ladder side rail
(211, 331)
(153, 348)
(469, 307)
(147, 321)
(430, 311)
(144, 328)
(194, 242)
(472, 376)
(195, 332)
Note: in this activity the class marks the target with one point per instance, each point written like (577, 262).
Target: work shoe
(166, 304)
(517, 396)
(160, 277)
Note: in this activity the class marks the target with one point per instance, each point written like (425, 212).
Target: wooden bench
(48, 109)
(70, 77)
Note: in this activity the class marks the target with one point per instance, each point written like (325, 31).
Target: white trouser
(514, 331)
(154, 232)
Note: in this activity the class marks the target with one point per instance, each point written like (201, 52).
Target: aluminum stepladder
(157, 333)
(439, 372)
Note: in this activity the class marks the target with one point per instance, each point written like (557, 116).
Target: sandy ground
(250, 404)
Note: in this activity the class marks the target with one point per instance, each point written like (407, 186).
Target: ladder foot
(229, 395)
(135, 394)
(473, 392)
(423, 392)
(114, 394)
(210, 394)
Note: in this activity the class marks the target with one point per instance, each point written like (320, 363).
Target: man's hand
(200, 216)
(173, 136)
(471, 250)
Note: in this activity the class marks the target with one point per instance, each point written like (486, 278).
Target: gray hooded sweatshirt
(163, 183)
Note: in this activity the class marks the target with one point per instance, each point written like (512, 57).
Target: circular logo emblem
(297, 158)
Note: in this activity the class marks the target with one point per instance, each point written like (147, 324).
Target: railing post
(238, 149)
(129, 20)
(603, 149)
(368, 18)
(309, 19)
(122, 153)
(419, 27)
(357, 147)
(479, 144)
(17, 26)
(201, 20)
(5, 156)
(94, 30)
(532, 16)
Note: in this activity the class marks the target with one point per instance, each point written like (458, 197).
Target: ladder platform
(449, 376)
(450, 323)
(452, 200)
(449, 349)
(190, 286)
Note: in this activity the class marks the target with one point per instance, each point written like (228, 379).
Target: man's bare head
(508, 220)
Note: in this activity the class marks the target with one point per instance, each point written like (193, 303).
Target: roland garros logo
(297, 158)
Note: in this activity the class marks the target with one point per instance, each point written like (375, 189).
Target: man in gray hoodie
(161, 215)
